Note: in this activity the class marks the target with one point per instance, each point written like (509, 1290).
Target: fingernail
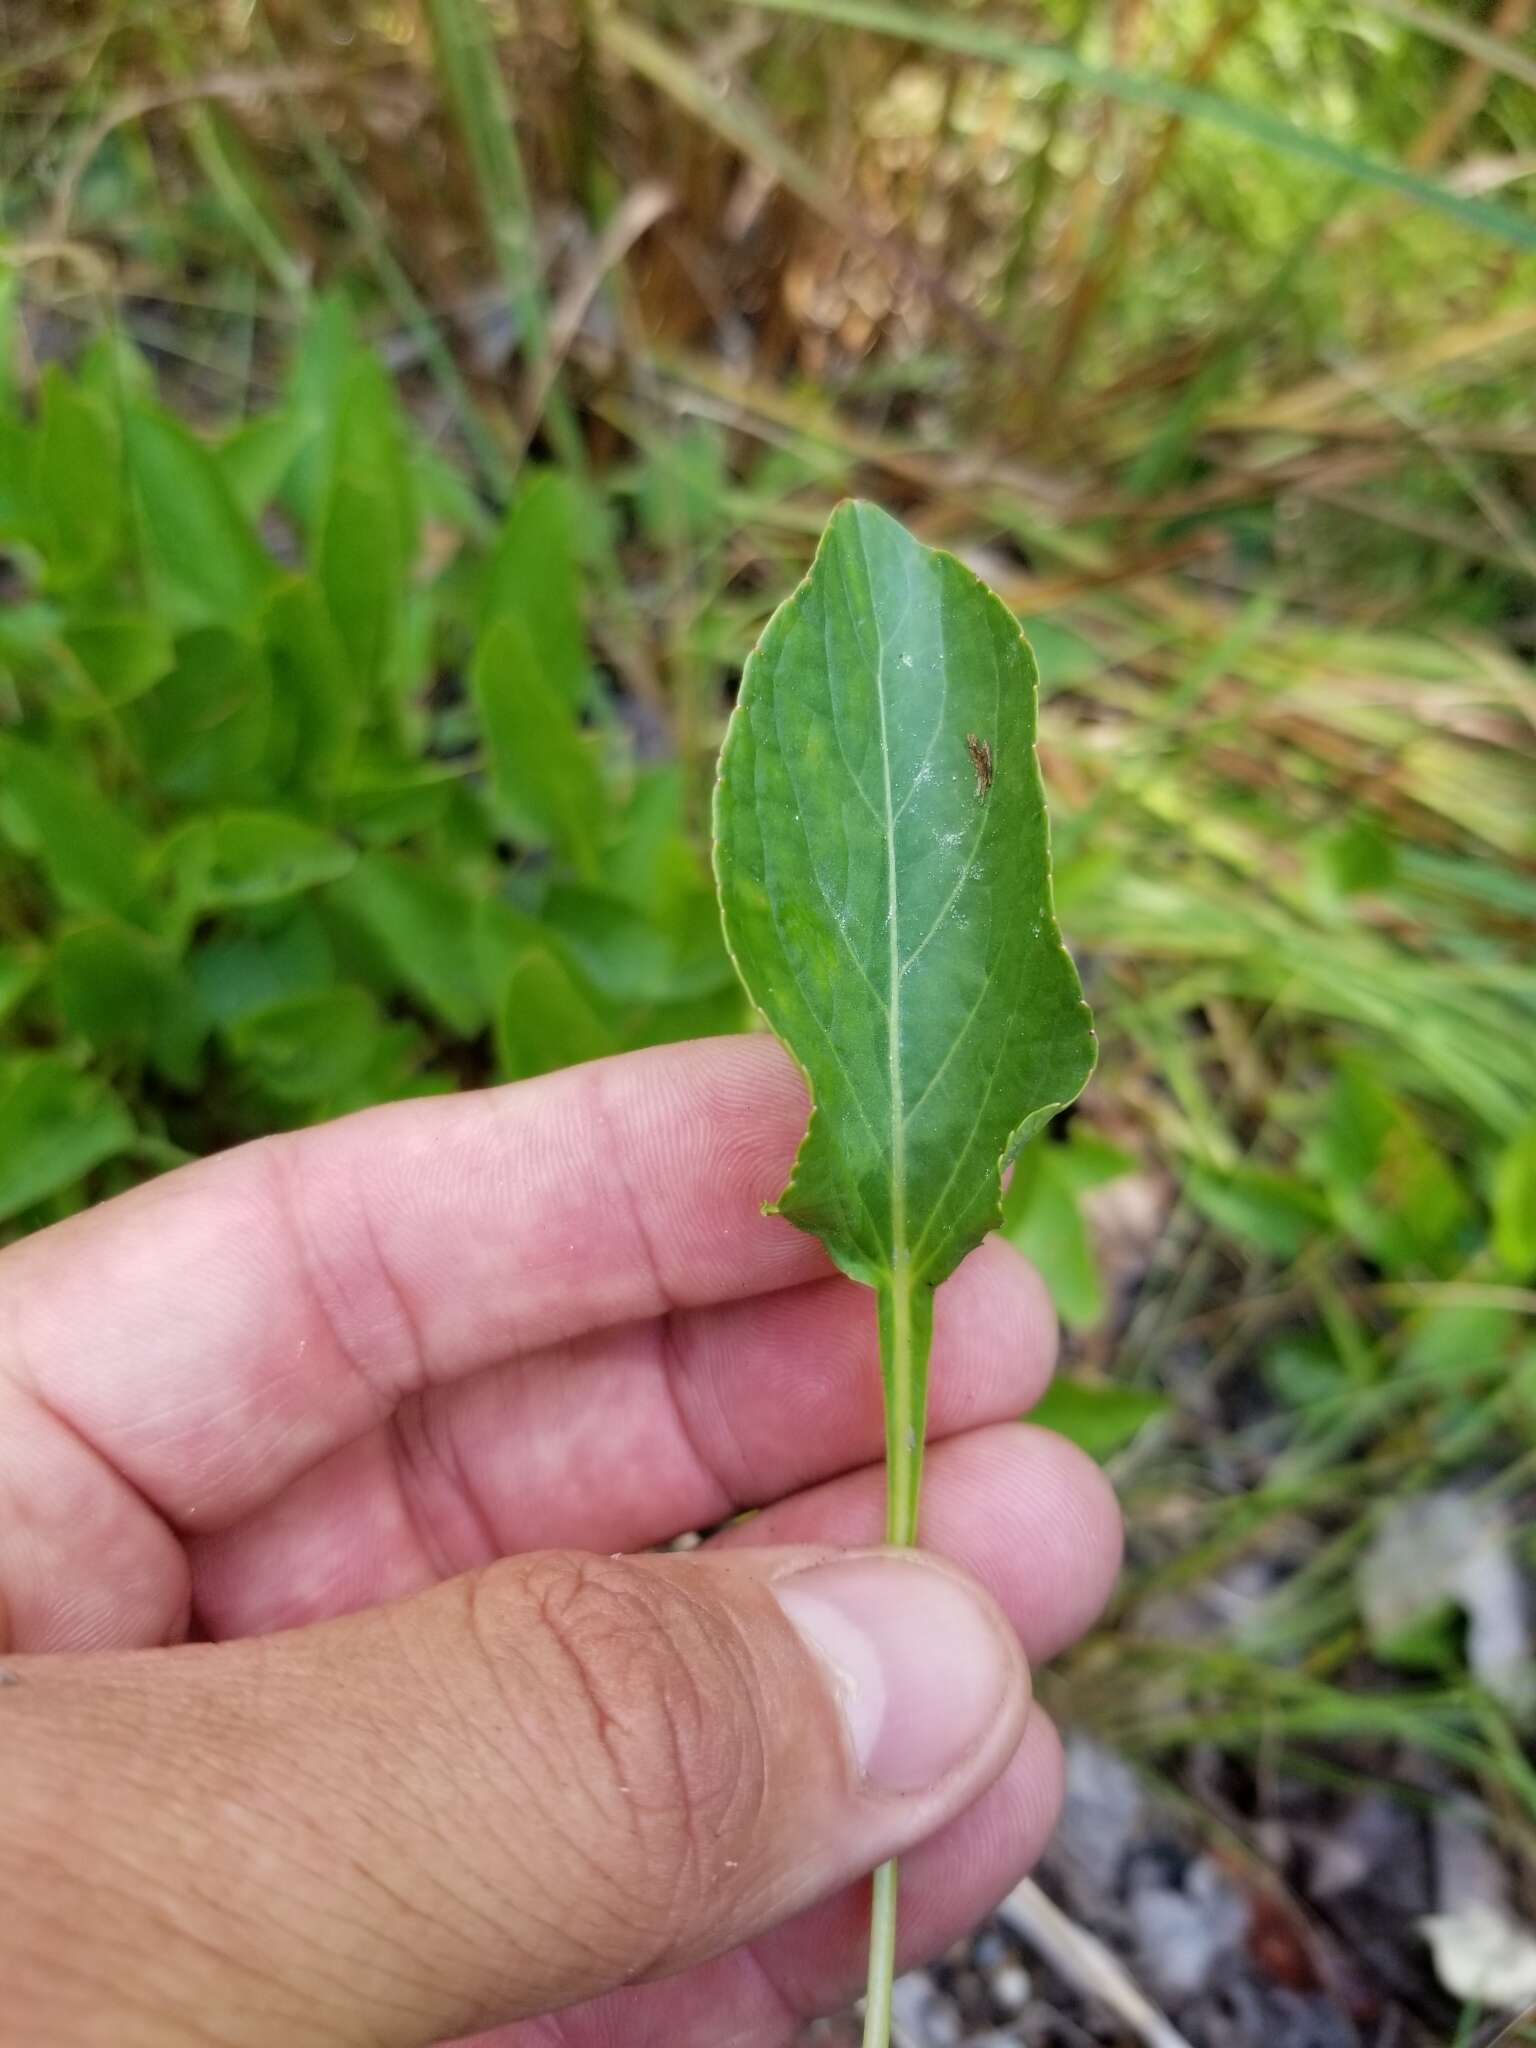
(919, 1664)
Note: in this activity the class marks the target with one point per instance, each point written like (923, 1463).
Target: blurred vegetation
(410, 410)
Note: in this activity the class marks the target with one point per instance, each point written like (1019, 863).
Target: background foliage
(409, 414)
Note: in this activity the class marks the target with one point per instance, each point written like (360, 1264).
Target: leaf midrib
(893, 923)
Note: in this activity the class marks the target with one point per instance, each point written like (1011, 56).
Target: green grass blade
(482, 103)
(944, 31)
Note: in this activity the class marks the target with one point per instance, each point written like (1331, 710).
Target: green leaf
(1100, 1419)
(256, 457)
(17, 512)
(1275, 1213)
(55, 1125)
(883, 863)
(18, 977)
(317, 712)
(1388, 1183)
(535, 578)
(205, 728)
(887, 900)
(123, 653)
(309, 1047)
(1514, 1204)
(384, 801)
(1042, 1215)
(124, 991)
(93, 856)
(1358, 857)
(232, 859)
(546, 781)
(366, 538)
(544, 1020)
(201, 548)
(327, 348)
(672, 953)
(261, 962)
(30, 644)
(362, 572)
(76, 483)
(423, 930)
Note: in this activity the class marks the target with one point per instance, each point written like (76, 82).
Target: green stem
(906, 1334)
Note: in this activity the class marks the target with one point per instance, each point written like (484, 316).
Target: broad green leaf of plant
(204, 729)
(1275, 1213)
(55, 1125)
(883, 862)
(420, 928)
(367, 533)
(543, 771)
(229, 860)
(93, 855)
(205, 555)
(1098, 1416)
(1043, 1216)
(122, 654)
(317, 713)
(534, 577)
(1514, 1204)
(308, 1048)
(125, 993)
(243, 967)
(76, 482)
(545, 1020)
(18, 973)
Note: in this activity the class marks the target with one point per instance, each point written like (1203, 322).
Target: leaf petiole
(905, 1307)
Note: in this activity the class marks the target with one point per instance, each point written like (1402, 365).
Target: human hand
(356, 1421)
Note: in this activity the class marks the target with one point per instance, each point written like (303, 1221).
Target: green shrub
(311, 794)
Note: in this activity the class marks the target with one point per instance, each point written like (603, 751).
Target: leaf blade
(888, 913)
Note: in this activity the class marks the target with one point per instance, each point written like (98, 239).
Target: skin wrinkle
(294, 1794)
(300, 1783)
(674, 1373)
(520, 1799)
(410, 1491)
(381, 1393)
(493, 1657)
(633, 1203)
(372, 1812)
(440, 1436)
(169, 1566)
(737, 1782)
(657, 1663)
(430, 1485)
(101, 1851)
(796, 2016)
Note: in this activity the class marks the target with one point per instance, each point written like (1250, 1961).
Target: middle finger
(616, 1442)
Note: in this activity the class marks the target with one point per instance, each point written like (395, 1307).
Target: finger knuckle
(645, 1695)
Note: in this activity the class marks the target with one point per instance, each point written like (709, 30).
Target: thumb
(523, 1788)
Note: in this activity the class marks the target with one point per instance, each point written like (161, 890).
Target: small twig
(1086, 1963)
(639, 213)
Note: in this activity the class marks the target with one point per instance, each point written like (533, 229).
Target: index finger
(215, 1333)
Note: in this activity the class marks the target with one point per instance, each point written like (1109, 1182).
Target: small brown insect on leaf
(980, 752)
